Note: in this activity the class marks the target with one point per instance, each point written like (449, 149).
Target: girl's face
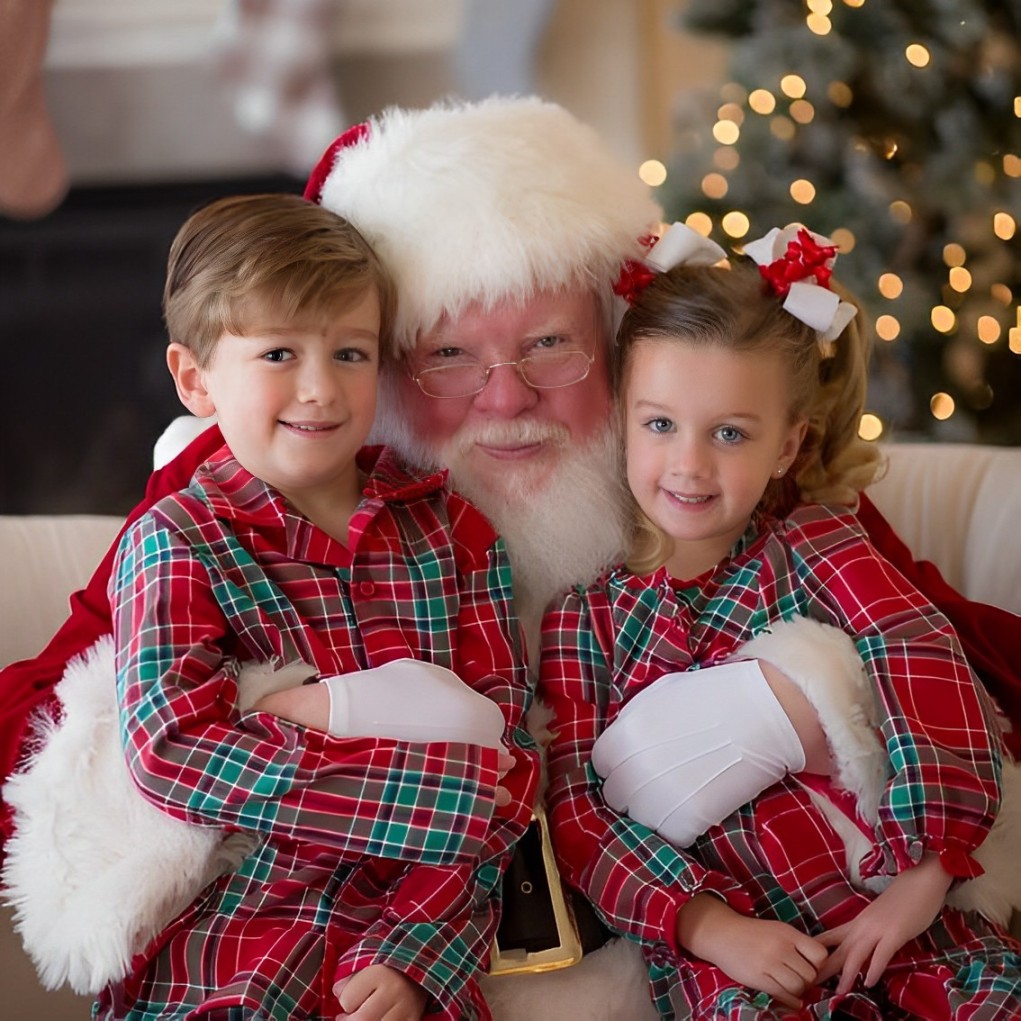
(294, 401)
(706, 428)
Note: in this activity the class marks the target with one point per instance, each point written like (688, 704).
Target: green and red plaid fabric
(776, 857)
(373, 850)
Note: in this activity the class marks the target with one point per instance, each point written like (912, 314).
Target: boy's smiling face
(294, 401)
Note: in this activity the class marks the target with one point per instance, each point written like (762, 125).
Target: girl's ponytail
(835, 464)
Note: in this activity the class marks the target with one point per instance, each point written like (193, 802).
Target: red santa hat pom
(474, 202)
(352, 136)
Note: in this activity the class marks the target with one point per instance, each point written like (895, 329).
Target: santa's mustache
(517, 433)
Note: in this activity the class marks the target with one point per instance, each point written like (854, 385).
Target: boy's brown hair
(240, 260)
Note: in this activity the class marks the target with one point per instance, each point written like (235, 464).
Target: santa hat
(475, 202)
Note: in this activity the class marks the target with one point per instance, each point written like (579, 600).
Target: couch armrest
(959, 506)
(45, 558)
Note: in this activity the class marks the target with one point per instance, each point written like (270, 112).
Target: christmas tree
(894, 128)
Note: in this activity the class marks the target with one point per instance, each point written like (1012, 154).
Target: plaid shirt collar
(235, 494)
(755, 536)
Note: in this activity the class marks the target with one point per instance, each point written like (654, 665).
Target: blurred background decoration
(146, 109)
(894, 127)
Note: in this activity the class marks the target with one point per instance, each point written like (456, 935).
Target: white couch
(958, 506)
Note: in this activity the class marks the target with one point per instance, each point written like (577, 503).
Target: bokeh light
(942, 406)
(700, 222)
(1004, 226)
(726, 132)
(887, 328)
(954, 254)
(989, 329)
(652, 173)
(943, 319)
(960, 279)
(802, 191)
(918, 55)
(735, 224)
(870, 427)
(762, 101)
(891, 286)
(793, 86)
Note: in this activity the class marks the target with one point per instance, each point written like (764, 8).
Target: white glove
(691, 748)
(409, 700)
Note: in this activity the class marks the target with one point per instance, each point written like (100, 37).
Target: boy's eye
(351, 354)
(278, 354)
(729, 434)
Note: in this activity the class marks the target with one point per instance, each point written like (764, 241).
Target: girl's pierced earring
(780, 471)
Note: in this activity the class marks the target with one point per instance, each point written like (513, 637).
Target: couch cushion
(959, 505)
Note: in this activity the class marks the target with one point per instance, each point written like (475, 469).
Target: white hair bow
(682, 245)
(679, 244)
(798, 264)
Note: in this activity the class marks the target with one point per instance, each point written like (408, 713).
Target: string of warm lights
(971, 302)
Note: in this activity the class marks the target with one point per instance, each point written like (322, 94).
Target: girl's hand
(379, 992)
(905, 909)
(764, 955)
(505, 765)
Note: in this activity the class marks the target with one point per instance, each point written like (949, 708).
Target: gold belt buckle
(537, 929)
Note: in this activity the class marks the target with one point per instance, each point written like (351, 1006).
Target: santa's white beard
(561, 526)
(559, 531)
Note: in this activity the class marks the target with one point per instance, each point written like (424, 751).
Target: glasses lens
(555, 368)
(452, 380)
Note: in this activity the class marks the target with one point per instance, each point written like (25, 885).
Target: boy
(377, 857)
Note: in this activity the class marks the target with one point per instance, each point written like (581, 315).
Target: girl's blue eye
(729, 434)
(659, 425)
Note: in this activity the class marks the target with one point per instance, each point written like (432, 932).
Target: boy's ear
(189, 380)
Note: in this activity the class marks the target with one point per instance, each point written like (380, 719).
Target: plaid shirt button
(366, 588)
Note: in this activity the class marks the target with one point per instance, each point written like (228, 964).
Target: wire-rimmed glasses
(543, 370)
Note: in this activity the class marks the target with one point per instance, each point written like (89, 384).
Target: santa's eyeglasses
(543, 370)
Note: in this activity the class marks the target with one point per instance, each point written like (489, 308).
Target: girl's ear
(189, 380)
(793, 440)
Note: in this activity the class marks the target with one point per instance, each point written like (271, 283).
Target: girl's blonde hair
(240, 260)
(731, 307)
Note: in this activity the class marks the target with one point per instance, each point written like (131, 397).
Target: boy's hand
(764, 955)
(307, 705)
(905, 909)
(379, 992)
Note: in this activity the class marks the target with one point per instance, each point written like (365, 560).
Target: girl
(740, 421)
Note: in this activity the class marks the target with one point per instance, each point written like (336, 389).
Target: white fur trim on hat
(475, 202)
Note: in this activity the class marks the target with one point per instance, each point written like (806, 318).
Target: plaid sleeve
(936, 720)
(440, 922)
(635, 879)
(191, 756)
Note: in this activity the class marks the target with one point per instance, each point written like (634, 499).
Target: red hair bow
(804, 258)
